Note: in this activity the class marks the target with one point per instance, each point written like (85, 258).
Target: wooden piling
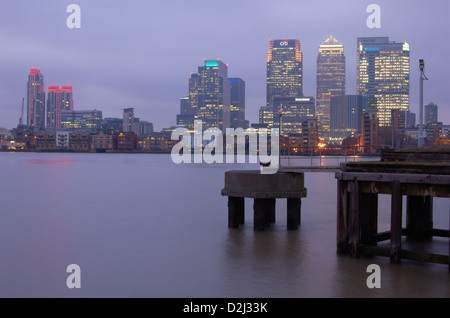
(369, 218)
(342, 217)
(354, 228)
(419, 217)
(357, 208)
(396, 222)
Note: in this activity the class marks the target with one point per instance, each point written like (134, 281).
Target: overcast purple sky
(140, 53)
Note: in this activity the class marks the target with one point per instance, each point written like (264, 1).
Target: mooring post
(293, 213)
(419, 217)
(236, 206)
(396, 222)
(354, 226)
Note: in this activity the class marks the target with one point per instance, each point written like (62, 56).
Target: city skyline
(110, 70)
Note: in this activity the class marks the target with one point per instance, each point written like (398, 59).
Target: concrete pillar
(236, 207)
(293, 213)
(260, 214)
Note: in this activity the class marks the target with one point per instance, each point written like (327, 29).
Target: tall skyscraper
(209, 94)
(237, 103)
(58, 100)
(383, 75)
(194, 83)
(35, 100)
(284, 70)
(214, 95)
(431, 113)
(330, 80)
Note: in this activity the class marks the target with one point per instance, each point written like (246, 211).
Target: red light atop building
(53, 88)
(34, 71)
(66, 88)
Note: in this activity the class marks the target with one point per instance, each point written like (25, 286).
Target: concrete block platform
(264, 189)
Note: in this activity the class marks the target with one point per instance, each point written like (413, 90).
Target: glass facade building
(87, 120)
(294, 111)
(35, 100)
(237, 103)
(346, 116)
(284, 70)
(212, 95)
(330, 80)
(58, 100)
(383, 70)
(266, 116)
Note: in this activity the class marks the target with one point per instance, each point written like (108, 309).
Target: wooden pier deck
(359, 184)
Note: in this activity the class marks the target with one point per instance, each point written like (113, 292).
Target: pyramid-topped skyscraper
(330, 80)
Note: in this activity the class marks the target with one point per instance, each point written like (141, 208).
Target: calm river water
(139, 225)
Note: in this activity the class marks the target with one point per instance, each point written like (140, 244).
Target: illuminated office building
(87, 120)
(330, 81)
(294, 111)
(214, 95)
(284, 70)
(266, 116)
(383, 75)
(58, 100)
(194, 83)
(237, 103)
(209, 97)
(35, 100)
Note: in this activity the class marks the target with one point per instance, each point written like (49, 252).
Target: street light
(422, 78)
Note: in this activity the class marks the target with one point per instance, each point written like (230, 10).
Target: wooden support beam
(396, 222)
(342, 217)
(354, 225)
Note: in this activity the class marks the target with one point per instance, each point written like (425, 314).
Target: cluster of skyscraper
(214, 98)
(57, 112)
(383, 69)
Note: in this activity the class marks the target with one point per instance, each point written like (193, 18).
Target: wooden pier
(264, 189)
(358, 186)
